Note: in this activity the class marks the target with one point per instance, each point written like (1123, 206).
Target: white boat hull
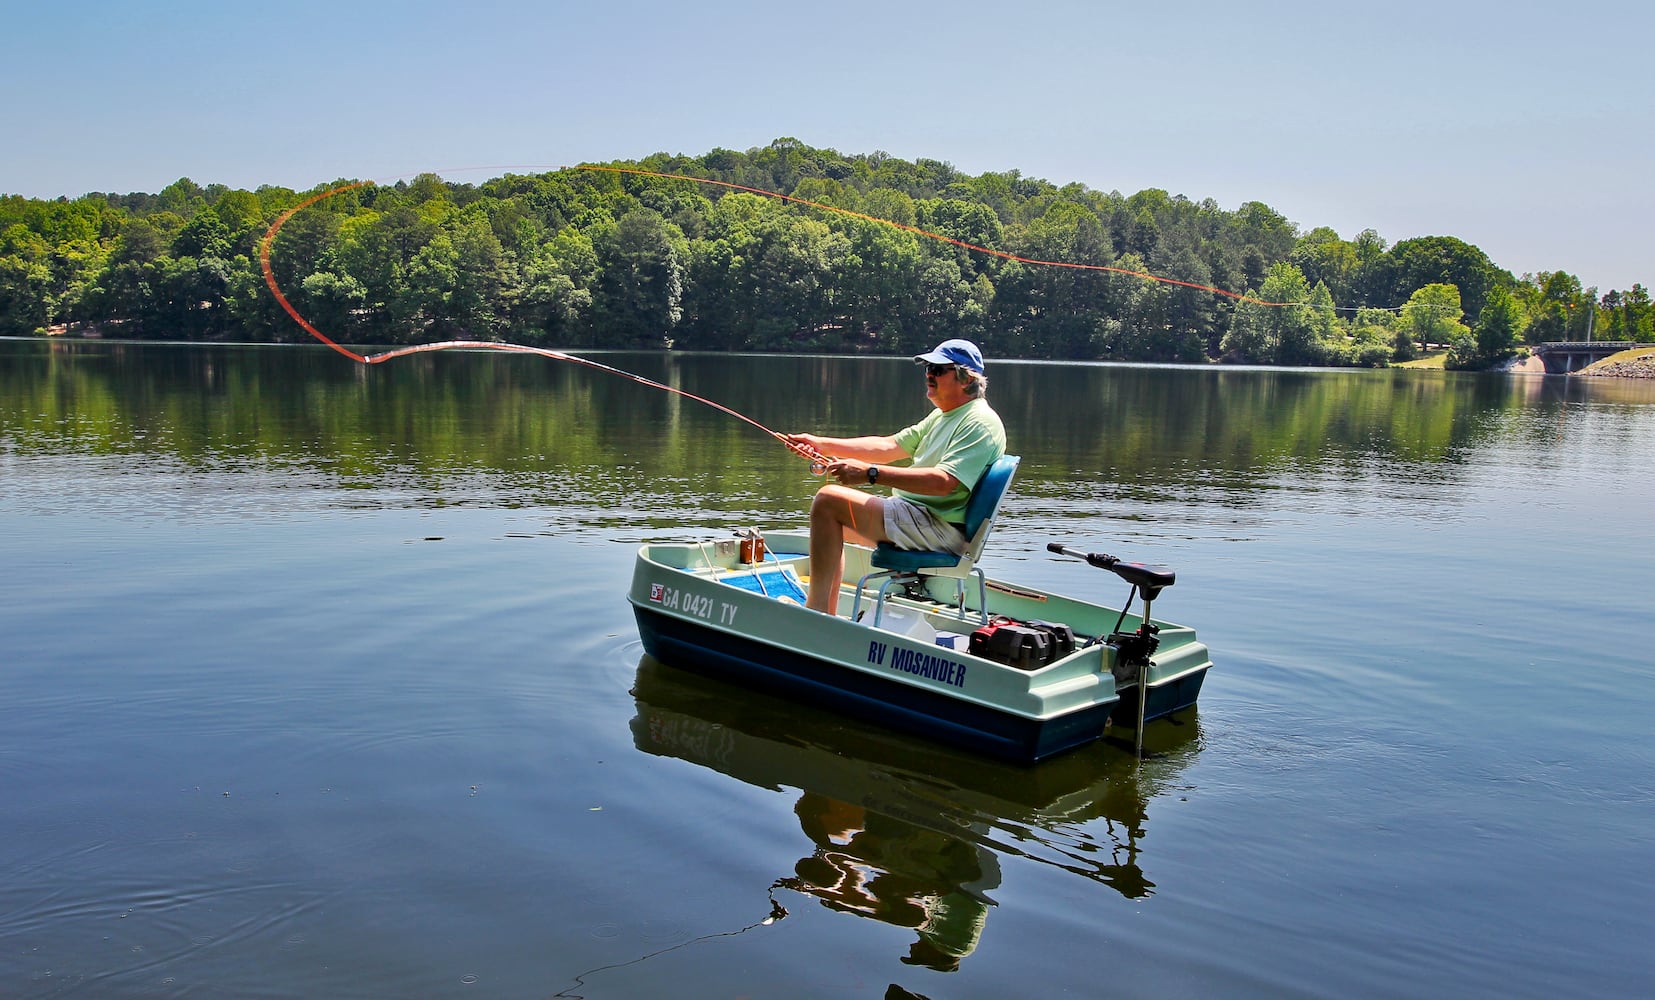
(698, 607)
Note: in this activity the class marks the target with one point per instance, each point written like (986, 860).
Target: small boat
(919, 654)
(702, 608)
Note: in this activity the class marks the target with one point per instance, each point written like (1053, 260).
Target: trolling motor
(1132, 649)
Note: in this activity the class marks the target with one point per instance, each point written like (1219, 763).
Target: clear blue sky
(1525, 128)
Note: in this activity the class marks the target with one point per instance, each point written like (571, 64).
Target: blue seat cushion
(888, 556)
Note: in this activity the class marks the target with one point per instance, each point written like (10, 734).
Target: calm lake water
(319, 680)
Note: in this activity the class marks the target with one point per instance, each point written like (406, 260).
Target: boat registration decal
(690, 603)
(912, 661)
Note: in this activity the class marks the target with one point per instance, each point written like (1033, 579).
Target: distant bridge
(1563, 357)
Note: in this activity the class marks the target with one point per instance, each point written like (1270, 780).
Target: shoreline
(1640, 363)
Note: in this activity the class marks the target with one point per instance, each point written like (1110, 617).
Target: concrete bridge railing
(1562, 357)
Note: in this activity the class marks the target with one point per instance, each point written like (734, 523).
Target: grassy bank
(1434, 358)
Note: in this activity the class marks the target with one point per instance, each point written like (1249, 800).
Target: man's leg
(839, 514)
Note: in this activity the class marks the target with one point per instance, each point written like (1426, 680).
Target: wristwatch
(873, 475)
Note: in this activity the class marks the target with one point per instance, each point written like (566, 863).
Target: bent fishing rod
(817, 459)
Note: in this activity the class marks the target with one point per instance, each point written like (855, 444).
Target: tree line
(588, 258)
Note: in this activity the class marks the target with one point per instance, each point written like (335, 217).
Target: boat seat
(896, 565)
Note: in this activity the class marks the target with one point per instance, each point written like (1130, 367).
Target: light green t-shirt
(965, 441)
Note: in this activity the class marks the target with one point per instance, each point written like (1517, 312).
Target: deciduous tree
(1433, 316)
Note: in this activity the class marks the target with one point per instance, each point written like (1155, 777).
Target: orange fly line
(816, 459)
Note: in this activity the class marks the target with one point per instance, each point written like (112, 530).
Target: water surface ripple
(321, 682)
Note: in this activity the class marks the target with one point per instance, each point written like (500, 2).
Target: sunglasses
(938, 370)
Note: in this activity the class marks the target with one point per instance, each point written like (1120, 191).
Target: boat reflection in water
(907, 831)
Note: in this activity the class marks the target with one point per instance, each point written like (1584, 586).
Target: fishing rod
(817, 460)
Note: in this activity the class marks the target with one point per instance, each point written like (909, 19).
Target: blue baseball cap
(955, 352)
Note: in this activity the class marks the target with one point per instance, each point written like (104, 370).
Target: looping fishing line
(817, 460)
(928, 234)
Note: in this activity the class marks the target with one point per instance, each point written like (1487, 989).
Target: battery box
(1012, 644)
(1025, 645)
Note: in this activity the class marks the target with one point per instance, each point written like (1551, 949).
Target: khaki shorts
(910, 526)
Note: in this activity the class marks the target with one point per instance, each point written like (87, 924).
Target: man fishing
(951, 448)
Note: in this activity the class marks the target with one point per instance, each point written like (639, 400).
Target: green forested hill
(599, 258)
